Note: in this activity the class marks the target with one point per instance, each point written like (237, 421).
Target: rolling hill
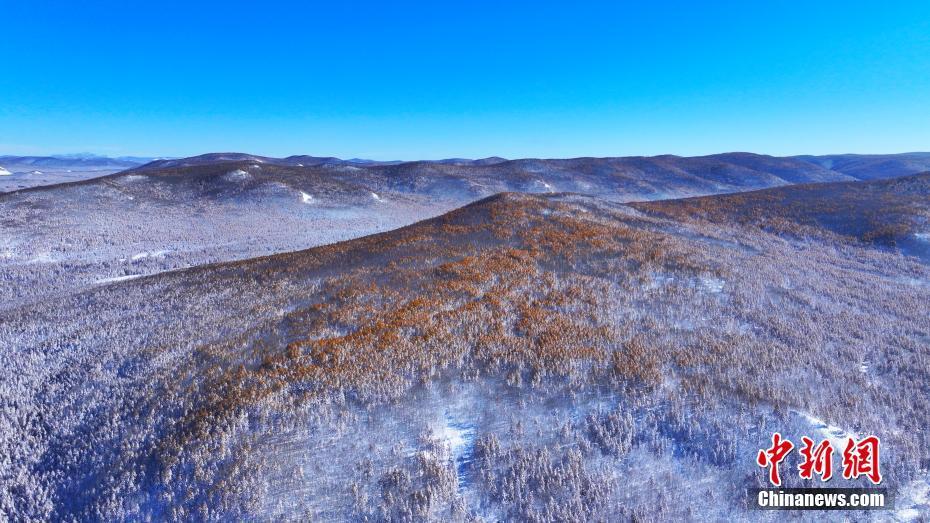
(871, 166)
(889, 212)
(23, 172)
(177, 213)
(171, 214)
(526, 356)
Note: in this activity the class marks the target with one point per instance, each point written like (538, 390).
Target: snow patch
(375, 196)
(913, 500)
(4, 172)
(458, 438)
(237, 176)
(712, 285)
(278, 187)
(119, 278)
(836, 435)
(923, 236)
(42, 258)
(455, 436)
(148, 254)
(305, 198)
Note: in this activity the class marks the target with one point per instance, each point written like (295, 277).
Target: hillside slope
(890, 212)
(523, 357)
(171, 214)
(68, 237)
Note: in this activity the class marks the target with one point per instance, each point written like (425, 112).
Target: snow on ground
(148, 254)
(912, 501)
(115, 279)
(4, 172)
(237, 175)
(713, 285)
(306, 198)
(7, 247)
(93, 243)
(375, 196)
(42, 258)
(917, 282)
(704, 283)
(459, 439)
(456, 435)
(837, 436)
(545, 185)
(924, 236)
(278, 188)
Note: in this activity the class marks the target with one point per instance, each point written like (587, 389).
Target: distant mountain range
(635, 177)
(71, 161)
(23, 172)
(333, 181)
(855, 166)
(304, 160)
(791, 169)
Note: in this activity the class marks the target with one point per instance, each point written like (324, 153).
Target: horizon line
(80, 155)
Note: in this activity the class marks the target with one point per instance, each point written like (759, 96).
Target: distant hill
(633, 177)
(871, 166)
(889, 212)
(74, 162)
(294, 161)
(23, 172)
(626, 178)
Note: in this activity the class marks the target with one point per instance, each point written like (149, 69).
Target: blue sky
(407, 80)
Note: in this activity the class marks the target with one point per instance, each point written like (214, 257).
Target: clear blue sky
(406, 80)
